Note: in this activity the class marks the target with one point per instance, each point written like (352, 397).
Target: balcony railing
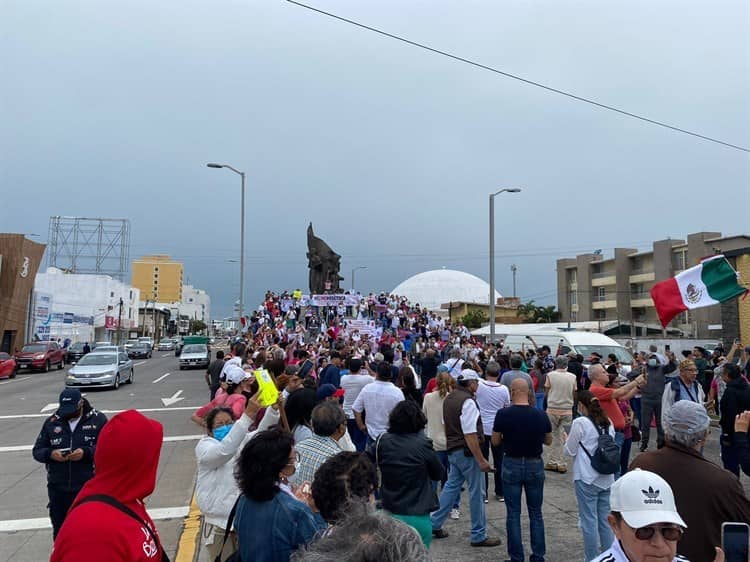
(602, 274)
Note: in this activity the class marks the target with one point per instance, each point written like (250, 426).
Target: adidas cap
(644, 498)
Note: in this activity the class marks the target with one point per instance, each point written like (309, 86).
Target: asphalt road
(23, 493)
(25, 535)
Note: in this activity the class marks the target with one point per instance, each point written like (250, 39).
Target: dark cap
(69, 399)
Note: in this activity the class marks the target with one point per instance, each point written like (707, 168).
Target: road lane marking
(164, 376)
(36, 523)
(173, 399)
(172, 439)
(139, 363)
(166, 355)
(50, 406)
(142, 410)
(19, 379)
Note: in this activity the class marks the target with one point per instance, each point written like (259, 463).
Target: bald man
(523, 430)
(608, 398)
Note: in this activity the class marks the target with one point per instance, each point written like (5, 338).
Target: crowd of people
(387, 413)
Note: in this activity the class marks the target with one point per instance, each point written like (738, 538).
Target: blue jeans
(443, 456)
(593, 508)
(359, 437)
(540, 401)
(524, 474)
(463, 469)
(619, 440)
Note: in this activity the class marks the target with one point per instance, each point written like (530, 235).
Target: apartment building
(593, 287)
(159, 278)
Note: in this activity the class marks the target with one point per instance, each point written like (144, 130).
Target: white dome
(432, 288)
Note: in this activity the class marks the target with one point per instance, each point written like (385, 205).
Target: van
(583, 343)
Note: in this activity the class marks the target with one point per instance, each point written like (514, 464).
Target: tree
(537, 314)
(197, 326)
(474, 319)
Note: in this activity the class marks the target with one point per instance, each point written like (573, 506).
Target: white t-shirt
(491, 397)
(583, 432)
(353, 385)
(469, 417)
(377, 400)
(73, 424)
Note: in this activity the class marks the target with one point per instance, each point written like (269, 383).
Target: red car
(7, 366)
(40, 355)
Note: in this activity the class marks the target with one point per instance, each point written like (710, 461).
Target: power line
(521, 79)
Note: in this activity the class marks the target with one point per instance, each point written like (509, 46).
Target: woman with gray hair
(364, 534)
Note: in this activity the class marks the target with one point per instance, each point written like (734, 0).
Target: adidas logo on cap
(652, 496)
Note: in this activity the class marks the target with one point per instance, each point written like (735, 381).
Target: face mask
(653, 362)
(221, 432)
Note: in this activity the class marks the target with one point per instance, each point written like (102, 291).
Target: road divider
(172, 439)
(36, 523)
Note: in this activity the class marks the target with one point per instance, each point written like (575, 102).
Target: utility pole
(513, 270)
(119, 323)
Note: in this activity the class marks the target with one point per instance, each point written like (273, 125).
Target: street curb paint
(187, 546)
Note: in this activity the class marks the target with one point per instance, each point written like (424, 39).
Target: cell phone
(65, 452)
(735, 541)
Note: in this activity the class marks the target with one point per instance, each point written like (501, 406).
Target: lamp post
(492, 256)
(242, 234)
(355, 269)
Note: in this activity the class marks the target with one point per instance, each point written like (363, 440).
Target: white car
(101, 368)
(195, 355)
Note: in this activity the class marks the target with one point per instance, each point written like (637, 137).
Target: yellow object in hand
(268, 394)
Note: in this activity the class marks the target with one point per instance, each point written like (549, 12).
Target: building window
(600, 314)
(601, 294)
(679, 259)
(131, 295)
(572, 276)
(573, 297)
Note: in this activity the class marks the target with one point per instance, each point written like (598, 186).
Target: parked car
(109, 348)
(130, 343)
(99, 344)
(166, 345)
(140, 350)
(8, 367)
(103, 368)
(75, 352)
(148, 340)
(195, 355)
(40, 355)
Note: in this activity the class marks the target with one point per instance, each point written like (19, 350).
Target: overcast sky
(112, 109)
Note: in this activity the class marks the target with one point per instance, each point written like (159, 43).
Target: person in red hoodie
(126, 459)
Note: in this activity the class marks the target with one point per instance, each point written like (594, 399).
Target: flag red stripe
(667, 300)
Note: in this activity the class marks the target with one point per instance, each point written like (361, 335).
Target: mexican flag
(710, 282)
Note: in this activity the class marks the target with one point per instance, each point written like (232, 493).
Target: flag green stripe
(720, 280)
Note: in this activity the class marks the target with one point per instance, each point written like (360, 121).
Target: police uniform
(65, 479)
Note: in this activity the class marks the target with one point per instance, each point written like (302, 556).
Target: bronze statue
(324, 265)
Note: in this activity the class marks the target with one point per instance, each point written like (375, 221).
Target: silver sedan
(101, 369)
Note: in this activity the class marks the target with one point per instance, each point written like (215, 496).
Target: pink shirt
(234, 401)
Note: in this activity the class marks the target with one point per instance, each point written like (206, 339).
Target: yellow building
(159, 278)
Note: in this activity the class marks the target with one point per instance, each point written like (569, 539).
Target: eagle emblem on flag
(693, 294)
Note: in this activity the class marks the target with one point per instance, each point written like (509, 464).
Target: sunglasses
(669, 533)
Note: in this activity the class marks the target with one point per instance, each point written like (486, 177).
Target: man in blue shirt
(332, 373)
(523, 430)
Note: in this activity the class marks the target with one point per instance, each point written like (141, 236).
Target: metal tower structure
(89, 245)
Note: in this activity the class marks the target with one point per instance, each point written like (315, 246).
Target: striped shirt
(313, 452)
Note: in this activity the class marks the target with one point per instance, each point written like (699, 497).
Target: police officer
(66, 445)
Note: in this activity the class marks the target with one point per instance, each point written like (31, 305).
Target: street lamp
(355, 269)
(242, 233)
(492, 255)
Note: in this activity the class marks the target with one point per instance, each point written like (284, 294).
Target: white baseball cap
(235, 375)
(644, 498)
(468, 375)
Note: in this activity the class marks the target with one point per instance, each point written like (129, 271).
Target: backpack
(606, 457)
